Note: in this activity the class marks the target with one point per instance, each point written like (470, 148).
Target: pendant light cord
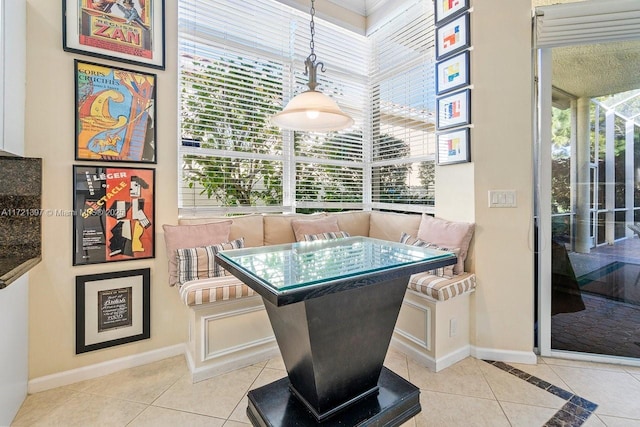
(310, 65)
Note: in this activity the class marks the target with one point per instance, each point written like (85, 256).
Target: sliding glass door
(588, 196)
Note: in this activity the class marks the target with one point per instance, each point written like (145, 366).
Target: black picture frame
(114, 214)
(453, 110)
(115, 114)
(453, 146)
(453, 37)
(453, 73)
(110, 30)
(447, 10)
(112, 309)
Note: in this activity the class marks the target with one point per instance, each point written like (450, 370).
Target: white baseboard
(429, 362)
(48, 382)
(453, 358)
(501, 355)
(213, 368)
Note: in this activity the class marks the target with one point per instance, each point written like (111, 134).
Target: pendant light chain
(310, 66)
(312, 26)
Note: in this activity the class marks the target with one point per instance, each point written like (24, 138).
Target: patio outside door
(588, 198)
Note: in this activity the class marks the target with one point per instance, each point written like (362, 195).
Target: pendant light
(311, 110)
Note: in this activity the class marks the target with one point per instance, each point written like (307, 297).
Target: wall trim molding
(502, 355)
(59, 379)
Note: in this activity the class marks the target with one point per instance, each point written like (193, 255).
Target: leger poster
(113, 214)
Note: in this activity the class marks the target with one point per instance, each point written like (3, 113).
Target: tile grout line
(573, 413)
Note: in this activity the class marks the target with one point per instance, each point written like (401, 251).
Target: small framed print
(115, 114)
(452, 37)
(130, 31)
(449, 9)
(454, 110)
(112, 309)
(452, 73)
(453, 147)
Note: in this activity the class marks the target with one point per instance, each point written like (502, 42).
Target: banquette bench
(229, 327)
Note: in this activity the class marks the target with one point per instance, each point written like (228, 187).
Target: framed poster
(114, 210)
(454, 110)
(452, 73)
(112, 309)
(130, 31)
(453, 147)
(115, 114)
(448, 9)
(452, 37)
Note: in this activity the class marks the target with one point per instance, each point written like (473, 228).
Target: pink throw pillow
(447, 234)
(314, 226)
(191, 236)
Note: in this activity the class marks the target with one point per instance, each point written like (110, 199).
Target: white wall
(501, 156)
(50, 135)
(14, 298)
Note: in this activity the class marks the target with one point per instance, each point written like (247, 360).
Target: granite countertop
(20, 220)
(12, 268)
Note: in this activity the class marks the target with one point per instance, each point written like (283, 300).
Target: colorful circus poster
(130, 31)
(115, 114)
(113, 216)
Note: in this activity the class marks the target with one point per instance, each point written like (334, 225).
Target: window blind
(587, 22)
(236, 72)
(403, 120)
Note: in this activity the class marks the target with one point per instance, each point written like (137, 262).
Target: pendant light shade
(311, 110)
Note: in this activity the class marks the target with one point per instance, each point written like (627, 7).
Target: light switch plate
(502, 199)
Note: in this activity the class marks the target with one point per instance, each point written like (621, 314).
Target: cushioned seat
(442, 288)
(204, 291)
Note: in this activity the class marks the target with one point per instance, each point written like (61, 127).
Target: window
(403, 96)
(236, 72)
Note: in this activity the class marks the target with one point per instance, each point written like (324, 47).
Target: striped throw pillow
(200, 262)
(414, 241)
(326, 236)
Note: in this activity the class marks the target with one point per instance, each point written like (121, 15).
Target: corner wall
(50, 135)
(501, 159)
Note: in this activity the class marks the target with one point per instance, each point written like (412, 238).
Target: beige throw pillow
(191, 236)
(314, 226)
(447, 234)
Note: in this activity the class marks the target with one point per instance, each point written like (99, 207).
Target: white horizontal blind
(403, 99)
(587, 22)
(240, 62)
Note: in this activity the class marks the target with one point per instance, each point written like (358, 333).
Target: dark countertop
(12, 268)
(20, 216)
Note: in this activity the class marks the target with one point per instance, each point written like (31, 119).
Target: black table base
(395, 402)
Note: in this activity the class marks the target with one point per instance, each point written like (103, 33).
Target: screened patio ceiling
(607, 72)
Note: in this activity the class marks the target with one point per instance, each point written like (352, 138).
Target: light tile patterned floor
(470, 393)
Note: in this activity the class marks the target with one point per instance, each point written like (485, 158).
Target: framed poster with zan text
(130, 31)
(114, 211)
(112, 309)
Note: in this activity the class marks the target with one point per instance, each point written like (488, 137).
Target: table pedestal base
(396, 401)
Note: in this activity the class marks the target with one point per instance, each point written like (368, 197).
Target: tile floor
(470, 393)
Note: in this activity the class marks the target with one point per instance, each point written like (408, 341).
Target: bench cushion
(442, 288)
(204, 291)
